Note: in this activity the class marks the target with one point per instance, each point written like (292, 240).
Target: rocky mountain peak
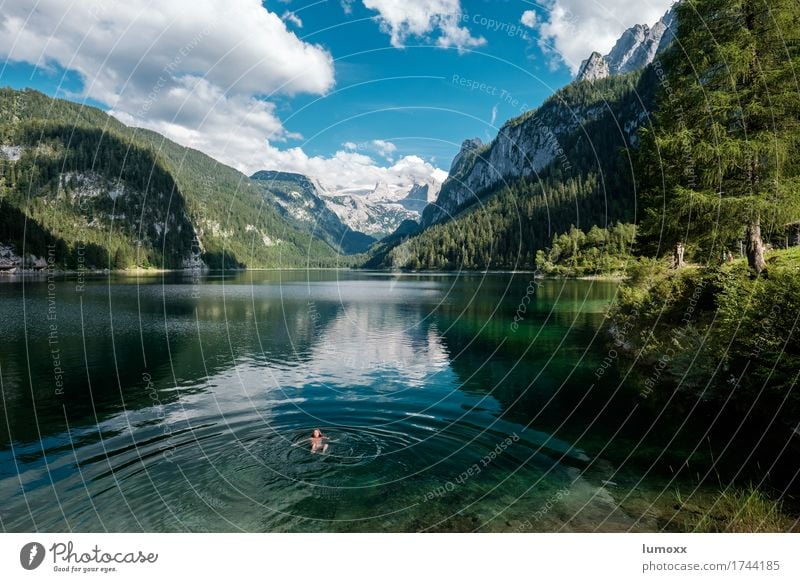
(471, 144)
(593, 68)
(667, 26)
(635, 49)
(468, 146)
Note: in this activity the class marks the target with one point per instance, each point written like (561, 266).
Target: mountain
(635, 49)
(350, 220)
(301, 201)
(530, 143)
(420, 195)
(78, 185)
(361, 213)
(378, 210)
(594, 68)
(566, 163)
(526, 145)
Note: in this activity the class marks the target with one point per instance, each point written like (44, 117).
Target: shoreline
(155, 271)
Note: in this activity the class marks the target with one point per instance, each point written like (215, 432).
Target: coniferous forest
(590, 323)
(132, 198)
(713, 172)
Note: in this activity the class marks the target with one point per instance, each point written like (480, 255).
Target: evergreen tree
(719, 163)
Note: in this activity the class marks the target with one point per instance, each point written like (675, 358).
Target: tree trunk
(755, 247)
(677, 256)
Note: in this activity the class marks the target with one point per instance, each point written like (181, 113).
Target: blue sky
(441, 95)
(351, 91)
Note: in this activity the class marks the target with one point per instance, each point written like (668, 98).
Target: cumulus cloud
(402, 19)
(195, 70)
(385, 148)
(196, 113)
(200, 72)
(529, 18)
(123, 47)
(572, 29)
(293, 18)
(351, 170)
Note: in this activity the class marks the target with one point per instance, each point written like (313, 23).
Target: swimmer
(317, 443)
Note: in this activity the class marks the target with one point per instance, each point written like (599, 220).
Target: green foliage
(759, 317)
(719, 160)
(605, 93)
(61, 181)
(736, 510)
(730, 338)
(513, 224)
(177, 199)
(513, 221)
(721, 155)
(599, 251)
(232, 216)
(505, 232)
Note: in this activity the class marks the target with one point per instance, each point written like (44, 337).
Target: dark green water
(177, 405)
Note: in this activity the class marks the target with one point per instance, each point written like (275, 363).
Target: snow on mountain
(378, 210)
(375, 209)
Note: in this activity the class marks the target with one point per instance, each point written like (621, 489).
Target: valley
(612, 276)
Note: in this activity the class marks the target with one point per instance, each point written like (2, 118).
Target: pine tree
(720, 163)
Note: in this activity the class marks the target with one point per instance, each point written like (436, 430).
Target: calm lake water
(171, 404)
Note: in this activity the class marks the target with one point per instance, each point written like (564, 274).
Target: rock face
(300, 199)
(377, 210)
(361, 212)
(535, 140)
(635, 49)
(349, 220)
(593, 68)
(420, 195)
(524, 146)
(468, 148)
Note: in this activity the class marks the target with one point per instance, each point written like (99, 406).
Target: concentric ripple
(438, 417)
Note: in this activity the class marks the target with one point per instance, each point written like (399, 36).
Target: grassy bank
(734, 510)
(723, 345)
(717, 334)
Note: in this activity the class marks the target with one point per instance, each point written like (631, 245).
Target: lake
(479, 402)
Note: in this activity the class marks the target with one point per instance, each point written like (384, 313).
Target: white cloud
(494, 115)
(402, 19)
(232, 129)
(573, 29)
(529, 18)
(349, 145)
(121, 47)
(385, 148)
(349, 169)
(195, 70)
(293, 18)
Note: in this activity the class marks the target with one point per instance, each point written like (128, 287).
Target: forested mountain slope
(581, 174)
(81, 179)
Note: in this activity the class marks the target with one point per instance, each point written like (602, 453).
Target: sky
(351, 92)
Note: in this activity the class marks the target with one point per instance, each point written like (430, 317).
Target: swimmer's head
(316, 433)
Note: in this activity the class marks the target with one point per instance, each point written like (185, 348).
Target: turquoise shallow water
(452, 403)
